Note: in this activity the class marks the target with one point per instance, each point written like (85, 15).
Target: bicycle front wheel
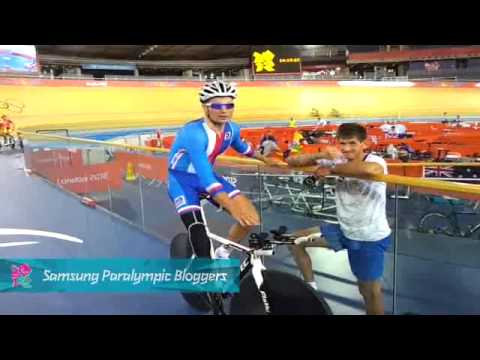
(436, 223)
(286, 293)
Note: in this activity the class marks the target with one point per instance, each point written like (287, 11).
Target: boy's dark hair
(352, 130)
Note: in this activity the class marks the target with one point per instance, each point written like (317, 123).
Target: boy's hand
(332, 153)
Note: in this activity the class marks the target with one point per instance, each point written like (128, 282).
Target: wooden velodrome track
(88, 104)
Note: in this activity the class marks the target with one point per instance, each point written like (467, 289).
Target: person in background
(2, 131)
(320, 123)
(292, 123)
(401, 131)
(392, 151)
(298, 138)
(392, 132)
(457, 122)
(297, 142)
(7, 130)
(445, 119)
(385, 127)
(268, 145)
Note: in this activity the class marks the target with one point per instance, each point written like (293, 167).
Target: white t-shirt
(400, 129)
(361, 206)
(385, 127)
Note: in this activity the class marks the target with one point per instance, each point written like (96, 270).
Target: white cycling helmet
(217, 88)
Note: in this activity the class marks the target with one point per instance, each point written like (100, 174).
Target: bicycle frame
(452, 218)
(253, 262)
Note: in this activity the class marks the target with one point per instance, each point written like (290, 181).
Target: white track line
(18, 243)
(40, 233)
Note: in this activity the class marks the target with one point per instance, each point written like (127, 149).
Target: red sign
(89, 179)
(66, 169)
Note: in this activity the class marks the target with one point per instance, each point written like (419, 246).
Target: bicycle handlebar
(280, 237)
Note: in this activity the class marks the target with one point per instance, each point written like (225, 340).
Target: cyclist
(7, 128)
(363, 228)
(2, 131)
(191, 174)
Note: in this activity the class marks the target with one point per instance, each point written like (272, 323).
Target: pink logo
(20, 276)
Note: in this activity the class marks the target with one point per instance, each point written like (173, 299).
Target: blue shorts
(366, 257)
(185, 190)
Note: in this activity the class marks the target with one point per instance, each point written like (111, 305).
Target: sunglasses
(216, 106)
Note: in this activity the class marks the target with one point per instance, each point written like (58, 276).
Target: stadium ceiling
(167, 52)
(148, 52)
(194, 52)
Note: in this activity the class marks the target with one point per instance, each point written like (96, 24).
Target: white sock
(227, 249)
(313, 284)
(223, 252)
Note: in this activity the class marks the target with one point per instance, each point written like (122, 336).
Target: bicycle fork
(257, 268)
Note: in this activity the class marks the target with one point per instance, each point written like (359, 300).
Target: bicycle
(312, 198)
(437, 222)
(276, 192)
(262, 291)
(12, 106)
(319, 199)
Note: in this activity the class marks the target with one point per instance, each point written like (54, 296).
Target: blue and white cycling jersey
(197, 146)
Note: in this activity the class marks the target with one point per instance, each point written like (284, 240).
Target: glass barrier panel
(60, 178)
(438, 253)
(160, 216)
(126, 195)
